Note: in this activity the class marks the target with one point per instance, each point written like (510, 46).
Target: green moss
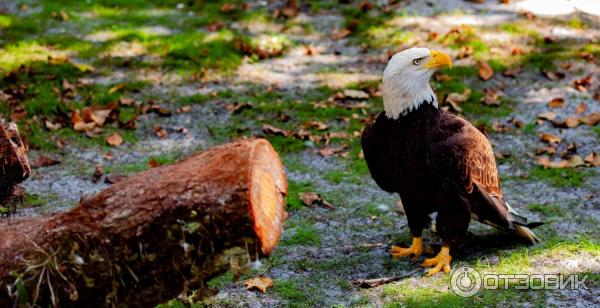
(291, 291)
(561, 177)
(547, 209)
(305, 233)
(222, 281)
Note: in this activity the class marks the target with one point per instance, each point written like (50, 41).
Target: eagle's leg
(439, 262)
(415, 250)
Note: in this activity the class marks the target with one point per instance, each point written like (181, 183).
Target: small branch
(371, 283)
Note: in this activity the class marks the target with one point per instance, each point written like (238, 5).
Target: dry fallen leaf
(593, 159)
(227, 8)
(554, 76)
(545, 162)
(260, 283)
(184, 109)
(550, 149)
(44, 161)
(465, 51)
(114, 140)
(160, 131)
(581, 108)
(98, 174)
(79, 124)
(512, 72)
(556, 102)
(491, 97)
(328, 151)
(272, 130)
(485, 70)
(356, 94)
(583, 83)
(548, 115)
(237, 107)
(591, 119)
(337, 34)
(316, 125)
(549, 138)
(313, 199)
(455, 99)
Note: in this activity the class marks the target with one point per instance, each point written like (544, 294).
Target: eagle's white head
(406, 80)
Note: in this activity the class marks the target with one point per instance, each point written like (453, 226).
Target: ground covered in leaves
(103, 89)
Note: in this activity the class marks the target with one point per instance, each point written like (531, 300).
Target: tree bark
(150, 237)
(14, 167)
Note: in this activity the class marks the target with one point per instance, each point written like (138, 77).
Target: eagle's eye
(417, 61)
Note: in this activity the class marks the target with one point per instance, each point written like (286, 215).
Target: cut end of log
(267, 191)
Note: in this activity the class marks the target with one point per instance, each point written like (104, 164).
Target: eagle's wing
(462, 155)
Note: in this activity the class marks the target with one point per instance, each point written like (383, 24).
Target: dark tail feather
(521, 227)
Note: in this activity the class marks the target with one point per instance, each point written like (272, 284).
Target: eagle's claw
(415, 250)
(439, 262)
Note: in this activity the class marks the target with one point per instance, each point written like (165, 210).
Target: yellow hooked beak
(438, 59)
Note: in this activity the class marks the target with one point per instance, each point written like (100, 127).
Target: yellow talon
(416, 249)
(439, 262)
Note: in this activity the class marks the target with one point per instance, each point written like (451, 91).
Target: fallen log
(14, 167)
(150, 237)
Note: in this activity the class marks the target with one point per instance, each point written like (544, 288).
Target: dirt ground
(144, 48)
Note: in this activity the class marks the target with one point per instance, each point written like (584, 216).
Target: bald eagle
(436, 161)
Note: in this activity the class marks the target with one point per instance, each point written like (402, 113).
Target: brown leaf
(548, 115)
(442, 77)
(114, 140)
(593, 159)
(554, 76)
(52, 126)
(549, 138)
(491, 97)
(485, 70)
(591, 119)
(571, 122)
(260, 283)
(79, 124)
(581, 108)
(455, 99)
(516, 51)
(237, 107)
(465, 51)
(550, 149)
(228, 8)
(312, 199)
(161, 111)
(576, 161)
(500, 127)
(356, 94)
(337, 34)
(512, 72)
(329, 151)
(545, 162)
(310, 50)
(126, 101)
(583, 83)
(44, 161)
(184, 109)
(153, 163)
(215, 26)
(557, 102)
(160, 131)
(272, 130)
(316, 125)
(502, 154)
(98, 174)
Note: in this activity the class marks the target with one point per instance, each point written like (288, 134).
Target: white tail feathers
(526, 233)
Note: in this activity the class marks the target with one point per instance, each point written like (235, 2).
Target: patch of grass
(576, 23)
(565, 177)
(547, 209)
(305, 233)
(290, 290)
(596, 129)
(222, 281)
(125, 169)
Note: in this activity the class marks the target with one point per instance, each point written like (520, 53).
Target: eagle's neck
(403, 96)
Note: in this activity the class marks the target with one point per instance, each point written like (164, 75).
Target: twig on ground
(370, 283)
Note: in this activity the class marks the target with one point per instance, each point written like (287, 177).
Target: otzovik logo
(467, 281)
